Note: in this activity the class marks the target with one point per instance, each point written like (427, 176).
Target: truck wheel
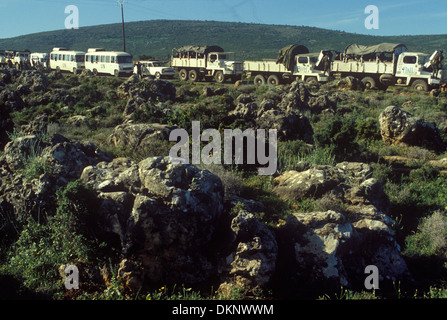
(183, 75)
(95, 72)
(193, 75)
(273, 80)
(259, 80)
(420, 85)
(157, 75)
(75, 71)
(219, 77)
(369, 83)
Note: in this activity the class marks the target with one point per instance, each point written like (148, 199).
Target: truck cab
(411, 69)
(39, 59)
(154, 68)
(307, 67)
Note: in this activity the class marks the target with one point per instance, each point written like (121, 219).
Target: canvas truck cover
(199, 49)
(378, 48)
(287, 54)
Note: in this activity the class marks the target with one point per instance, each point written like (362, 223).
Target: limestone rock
(398, 127)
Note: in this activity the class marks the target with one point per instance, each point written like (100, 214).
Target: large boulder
(139, 136)
(290, 124)
(33, 167)
(326, 249)
(315, 181)
(399, 127)
(300, 99)
(11, 100)
(33, 79)
(252, 263)
(139, 92)
(165, 215)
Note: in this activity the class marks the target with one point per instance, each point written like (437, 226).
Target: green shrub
(338, 135)
(430, 238)
(51, 241)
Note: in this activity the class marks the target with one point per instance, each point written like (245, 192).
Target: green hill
(251, 41)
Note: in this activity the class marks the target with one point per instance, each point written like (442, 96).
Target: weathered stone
(398, 127)
(293, 185)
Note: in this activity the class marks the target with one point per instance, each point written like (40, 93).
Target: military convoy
(377, 66)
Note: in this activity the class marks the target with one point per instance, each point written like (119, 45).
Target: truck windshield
(423, 59)
(124, 59)
(79, 58)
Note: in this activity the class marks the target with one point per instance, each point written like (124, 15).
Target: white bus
(66, 60)
(116, 63)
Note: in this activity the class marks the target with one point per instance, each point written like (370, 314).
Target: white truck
(386, 64)
(294, 62)
(196, 63)
(40, 60)
(155, 69)
(18, 59)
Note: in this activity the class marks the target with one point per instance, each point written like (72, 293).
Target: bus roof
(68, 51)
(118, 53)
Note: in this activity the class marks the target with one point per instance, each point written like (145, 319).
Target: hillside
(251, 41)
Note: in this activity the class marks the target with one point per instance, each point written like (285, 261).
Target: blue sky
(396, 17)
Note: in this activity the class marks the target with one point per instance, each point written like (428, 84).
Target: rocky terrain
(310, 229)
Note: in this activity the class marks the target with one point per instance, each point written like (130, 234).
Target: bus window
(124, 59)
(108, 59)
(103, 59)
(113, 59)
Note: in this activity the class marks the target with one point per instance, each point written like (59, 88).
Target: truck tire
(420, 85)
(273, 80)
(95, 72)
(219, 77)
(116, 73)
(369, 83)
(259, 80)
(157, 76)
(193, 75)
(75, 71)
(183, 75)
